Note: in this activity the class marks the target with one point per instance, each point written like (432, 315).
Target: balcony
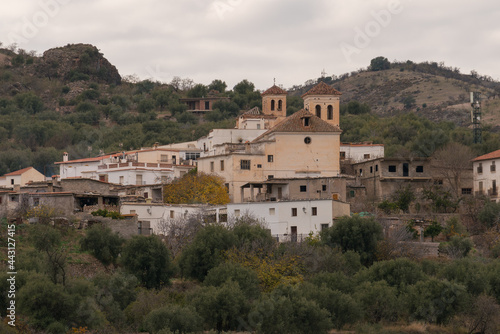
(493, 192)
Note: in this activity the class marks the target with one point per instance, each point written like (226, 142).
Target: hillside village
(292, 200)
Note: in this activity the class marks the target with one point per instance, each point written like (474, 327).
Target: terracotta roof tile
(322, 89)
(295, 123)
(491, 155)
(275, 90)
(19, 172)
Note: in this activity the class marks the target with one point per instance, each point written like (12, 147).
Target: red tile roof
(275, 90)
(322, 89)
(19, 172)
(491, 155)
(295, 123)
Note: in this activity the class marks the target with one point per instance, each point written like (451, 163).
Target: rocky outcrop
(75, 62)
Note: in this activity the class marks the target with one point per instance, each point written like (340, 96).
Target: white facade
(286, 218)
(216, 137)
(487, 176)
(361, 152)
(158, 215)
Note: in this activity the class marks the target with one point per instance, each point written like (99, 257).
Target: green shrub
(378, 301)
(246, 278)
(173, 317)
(102, 243)
(457, 247)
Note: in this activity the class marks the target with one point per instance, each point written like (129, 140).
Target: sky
(289, 41)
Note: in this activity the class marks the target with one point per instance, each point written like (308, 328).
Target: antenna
(475, 101)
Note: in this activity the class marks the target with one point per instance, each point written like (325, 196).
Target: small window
(307, 140)
(245, 164)
(272, 105)
(318, 110)
(270, 177)
(121, 179)
(258, 126)
(361, 172)
(14, 198)
(492, 167)
(222, 165)
(366, 156)
(371, 169)
(270, 158)
(212, 166)
(324, 227)
(272, 211)
(259, 166)
(236, 213)
(164, 158)
(330, 112)
(11, 181)
(352, 193)
(419, 169)
(132, 212)
(480, 168)
(392, 169)
(280, 105)
(207, 105)
(172, 214)
(146, 195)
(466, 191)
(314, 211)
(306, 121)
(376, 168)
(303, 189)
(323, 187)
(481, 186)
(294, 212)
(342, 155)
(36, 201)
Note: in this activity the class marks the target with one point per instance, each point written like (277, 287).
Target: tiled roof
(491, 155)
(295, 123)
(19, 172)
(253, 111)
(322, 89)
(275, 90)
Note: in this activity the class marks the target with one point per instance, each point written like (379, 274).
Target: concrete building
(486, 179)
(202, 104)
(292, 220)
(358, 152)
(21, 177)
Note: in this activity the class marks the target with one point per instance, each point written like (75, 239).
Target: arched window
(318, 110)
(280, 105)
(272, 105)
(330, 112)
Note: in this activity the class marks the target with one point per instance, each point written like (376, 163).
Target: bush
(173, 317)
(246, 278)
(102, 243)
(148, 259)
(378, 301)
(457, 247)
(469, 272)
(396, 273)
(354, 233)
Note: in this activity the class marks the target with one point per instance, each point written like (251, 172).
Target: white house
(486, 178)
(21, 177)
(217, 137)
(292, 220)
(358, 152)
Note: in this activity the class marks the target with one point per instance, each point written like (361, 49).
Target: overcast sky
(231, 40)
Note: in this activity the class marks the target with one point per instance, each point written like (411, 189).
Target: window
(323, 187)
(174, 160)
(272, 211)
(361, 172)
(146, 195)
(236, 213)
(1, 200)
(207, 105)
(376, 168)
(314, 211)
(270, 177)
(11, 181)
(307, 140)
(138, 179)
(371, 169)
(36, 201)
(245, 164)
(342, 155)
(121, 179)
(212, 166)
(480, 168)
(318, 110)
(132, 212)
(494, 187)
(481, 186)
(280, 105)
(324, 227)
(272, 105)
(259, 166)
(419, 169)
(193, 155)
(258, 126)
(222, 165)
(294, 212)
(330, 112)
(172, 214)
(164, 158)
(466, 191)
(352, 193)
(270, 158)
(303, 189)
(227, 186)
(492, 167)
(392, 169)
(306, 121)
(366, 156)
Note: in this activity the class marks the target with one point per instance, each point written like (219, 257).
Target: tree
(433, 230)
(246, 278)
(199, 90)
(177, 319)
(47, 239)
(354, 233)
(148, 259)
(244, 87)
(218, 85)
(379, 64)
(102, 243)
(453, 162)
(196, 188)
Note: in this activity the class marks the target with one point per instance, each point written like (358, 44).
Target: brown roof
(275, 90)
(491, 155)
(19, 172)
(295, 123)
(322, 89)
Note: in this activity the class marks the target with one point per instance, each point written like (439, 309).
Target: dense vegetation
(236, 278)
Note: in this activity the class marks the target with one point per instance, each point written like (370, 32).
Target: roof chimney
(65, 157)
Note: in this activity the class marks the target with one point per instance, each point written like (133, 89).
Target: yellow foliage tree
(196, 188)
